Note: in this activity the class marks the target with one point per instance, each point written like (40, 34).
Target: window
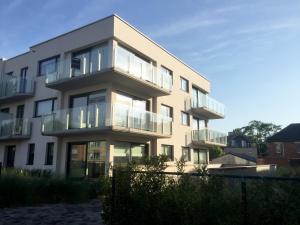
(166, 78)
(279, 148)
(166, 111)
(48, 66)
(49, 153)
(186, 154)
(297, 147)
(167, 150)
(125, 152)
(30, 156)
(200, 156)
(45, 107)
(185, 119)
(198, 124)
(184, 84)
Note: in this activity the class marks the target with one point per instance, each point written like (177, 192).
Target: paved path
(62, 214)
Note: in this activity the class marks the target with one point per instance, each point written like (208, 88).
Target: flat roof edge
(171, 54)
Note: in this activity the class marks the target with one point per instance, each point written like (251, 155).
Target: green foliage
(24, 189)
(215, 152)
(257, 132)
(156, 198)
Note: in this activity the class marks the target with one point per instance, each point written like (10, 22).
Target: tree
(215, 152)
(257, 132)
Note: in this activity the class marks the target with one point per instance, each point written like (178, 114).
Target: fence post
(113, 196)
(0, 168)
(244, 203)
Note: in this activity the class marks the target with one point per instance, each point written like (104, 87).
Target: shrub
(156, 198)
(22, 189)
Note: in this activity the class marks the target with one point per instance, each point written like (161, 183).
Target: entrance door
(77, 160)
(10, 156)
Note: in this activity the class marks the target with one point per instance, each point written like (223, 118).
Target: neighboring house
(284, 147)
(237, 164)
(239, 144)
(233, 159)
(101, 95)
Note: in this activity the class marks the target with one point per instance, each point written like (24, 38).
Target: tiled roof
(289, 134)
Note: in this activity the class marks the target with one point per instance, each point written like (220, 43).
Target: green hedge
(152, 198)
(23, 190)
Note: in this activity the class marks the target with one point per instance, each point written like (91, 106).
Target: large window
(166, 111)
(89, 60)
(125, 152)
(48, 66)
(30, 155)
(184, 84)
(86, 159)
(186, 154)
(198, 124)
(167, 150)
(45, 107)
(200, 156)
(87, 110)
(185, 119)
(49, 153)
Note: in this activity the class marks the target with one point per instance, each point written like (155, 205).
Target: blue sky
(249, 50)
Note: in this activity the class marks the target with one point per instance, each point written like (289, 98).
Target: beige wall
(114, 30)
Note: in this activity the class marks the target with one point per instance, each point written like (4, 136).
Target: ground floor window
(200, 156)
(168, 151)
(86, 159)
(125, 152)
(186, 154)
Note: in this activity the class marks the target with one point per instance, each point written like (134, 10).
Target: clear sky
(249, 50)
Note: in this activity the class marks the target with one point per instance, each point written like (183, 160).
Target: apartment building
(101, 95)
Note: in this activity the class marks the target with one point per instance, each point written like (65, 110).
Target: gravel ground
(62, 214)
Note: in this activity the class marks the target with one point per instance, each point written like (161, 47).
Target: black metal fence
(241, 180)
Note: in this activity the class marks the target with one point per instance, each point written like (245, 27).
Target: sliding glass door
(87, 110)
(86, 159)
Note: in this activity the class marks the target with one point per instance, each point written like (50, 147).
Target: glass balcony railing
(137, 67)
(135, 118)
(85, 63)
(211, 136)
(209, 103)
(12, 86)
(13, 128)
(95, 117)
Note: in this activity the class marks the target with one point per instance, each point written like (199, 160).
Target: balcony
(15, 129)
(206, 107)
(129, 71)
(209, 137)
(14, 89)
(106, 118)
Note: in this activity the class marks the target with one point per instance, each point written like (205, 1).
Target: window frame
(281, 152)
(47, 162)
(169, 158)
(167, 106)
(30, 161)
(57, 59)
(184, 148)
(43, 100)
(187, 84)
(188, 118)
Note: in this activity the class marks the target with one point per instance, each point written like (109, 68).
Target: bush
(21, 189)
(156, 198)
